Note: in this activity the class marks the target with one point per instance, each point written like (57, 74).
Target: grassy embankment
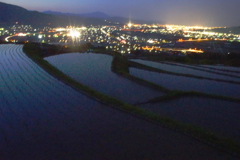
(33, 52)
(178, 94)
(148, 68)
(205, 69)
(120, 65)
(207, 58)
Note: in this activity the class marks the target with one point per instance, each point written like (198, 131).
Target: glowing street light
(130, 24)
(74, 34)
(40, 39)
(40, 36)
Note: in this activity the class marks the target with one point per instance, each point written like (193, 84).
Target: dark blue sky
(188, 12)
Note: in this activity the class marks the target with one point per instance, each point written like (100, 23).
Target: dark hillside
(10, 14)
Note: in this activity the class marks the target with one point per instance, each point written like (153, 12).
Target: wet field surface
(94, 70)
(42, 118)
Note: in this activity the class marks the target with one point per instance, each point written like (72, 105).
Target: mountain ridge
(11, 14)
(102, 15)
(96, 14)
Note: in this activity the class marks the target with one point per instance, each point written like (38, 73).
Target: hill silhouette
(103, 16)
(97, 14)
(10, 14)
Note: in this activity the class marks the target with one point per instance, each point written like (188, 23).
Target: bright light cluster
(74, 33)
(22, 34)
(186, 28)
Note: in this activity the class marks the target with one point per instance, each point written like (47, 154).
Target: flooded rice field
(43, 118)
(94, 70)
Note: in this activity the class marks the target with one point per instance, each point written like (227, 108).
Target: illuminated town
(171, 39)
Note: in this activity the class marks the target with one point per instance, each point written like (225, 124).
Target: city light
(134, 35)
(22, 34)
(130, 24)
(74, 33)
(61, 29)
(150, 41)
(19, 34)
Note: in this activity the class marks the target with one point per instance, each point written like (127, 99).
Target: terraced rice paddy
(194, 70)
(43, 118)
(174, 82)
(223, 68)
(94, 70)
(218, 116)
(212, 68)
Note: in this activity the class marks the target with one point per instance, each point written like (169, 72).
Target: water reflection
(94, 70)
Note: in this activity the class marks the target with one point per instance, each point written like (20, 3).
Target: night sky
(187, 12)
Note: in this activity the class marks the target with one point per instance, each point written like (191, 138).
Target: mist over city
(119, 79)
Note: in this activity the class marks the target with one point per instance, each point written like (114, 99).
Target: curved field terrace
(43, 118)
